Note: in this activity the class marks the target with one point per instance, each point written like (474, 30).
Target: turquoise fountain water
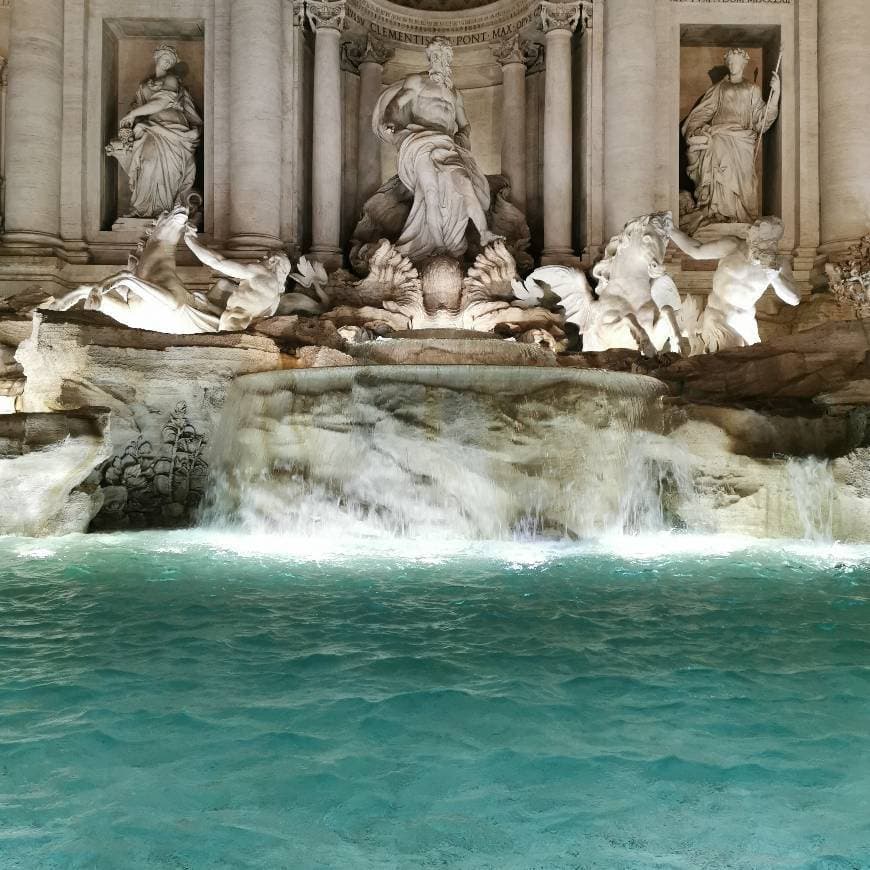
(203, 700)
(389, 646)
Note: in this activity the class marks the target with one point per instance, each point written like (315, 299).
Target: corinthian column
(33, 125)
(371, 72)
(558, 21)
(844, 122)
(510, 54)
(255, 124)
(327, 20)
(629, 111)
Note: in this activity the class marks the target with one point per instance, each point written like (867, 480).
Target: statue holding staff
(723, 133)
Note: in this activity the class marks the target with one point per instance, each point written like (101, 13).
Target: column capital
(325, 14)
(356, 52)
(562, 16)
(298, 12)
(509, 50)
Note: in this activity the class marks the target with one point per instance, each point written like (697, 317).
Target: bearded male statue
(423, 116)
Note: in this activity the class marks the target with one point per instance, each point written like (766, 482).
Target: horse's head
(636, 256)
(170, 225)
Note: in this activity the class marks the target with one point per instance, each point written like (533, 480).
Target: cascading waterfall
(478, 452)
(814, 490)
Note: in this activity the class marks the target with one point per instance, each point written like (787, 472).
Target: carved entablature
(326, 14)
(492, 23)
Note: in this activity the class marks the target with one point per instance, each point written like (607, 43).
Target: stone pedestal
(513, 122)
(630, 87)
(559, 21)
(327, 20)
(255, 125)
(34, 127)
(844, 123)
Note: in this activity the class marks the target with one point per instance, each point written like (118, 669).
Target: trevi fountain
(435, 432)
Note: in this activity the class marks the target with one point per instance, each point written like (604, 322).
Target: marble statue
(150, 294)
(246, 291)
(157, 141)
(635, 301)
(722, 133)
(746, 269)
(423, 116)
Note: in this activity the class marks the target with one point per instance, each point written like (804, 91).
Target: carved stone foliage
(149, 486)
(326, 14)
(850, 280)
(355, 52)
(561, 16)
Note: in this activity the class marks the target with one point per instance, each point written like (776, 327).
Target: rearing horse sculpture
(635, 302)
(149, 294)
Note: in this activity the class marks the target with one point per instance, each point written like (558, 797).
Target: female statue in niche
(722, 133)
(158, 138)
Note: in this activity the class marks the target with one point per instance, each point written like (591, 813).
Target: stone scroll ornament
(723, 133)
(150, 294)
(157, 141)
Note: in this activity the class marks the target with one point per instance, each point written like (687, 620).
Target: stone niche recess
(702, 51)
(128, 60)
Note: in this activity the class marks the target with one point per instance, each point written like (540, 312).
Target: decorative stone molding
(561, 16)
(509, 51)
(533, 56)
(355, 52)
(850, 280)
(299, 13)
(376, 51)
(326, 14)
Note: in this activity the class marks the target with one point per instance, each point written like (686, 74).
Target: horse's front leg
(680, 341)
(640, 335)
(68, 300)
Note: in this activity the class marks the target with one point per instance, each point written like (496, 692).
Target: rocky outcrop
(154, 385)
(47, 463)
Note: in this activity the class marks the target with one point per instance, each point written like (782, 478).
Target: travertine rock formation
(46, 466)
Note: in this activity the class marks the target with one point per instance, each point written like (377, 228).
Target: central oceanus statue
(635, 302)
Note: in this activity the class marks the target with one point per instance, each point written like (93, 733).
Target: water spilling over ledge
(470, 451)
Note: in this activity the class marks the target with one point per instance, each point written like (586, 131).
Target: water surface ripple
(169, 702)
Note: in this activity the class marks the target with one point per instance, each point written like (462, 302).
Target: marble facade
(577, 103)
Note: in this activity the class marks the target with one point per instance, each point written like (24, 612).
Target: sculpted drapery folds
(722, 131)
(158, 140)
(423, 116)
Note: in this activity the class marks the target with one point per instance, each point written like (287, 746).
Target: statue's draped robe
(163, 164)
(724, 173)
(435, 168)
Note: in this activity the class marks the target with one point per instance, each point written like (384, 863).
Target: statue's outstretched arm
(784, 285)
(230, 268)
(714, 250)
